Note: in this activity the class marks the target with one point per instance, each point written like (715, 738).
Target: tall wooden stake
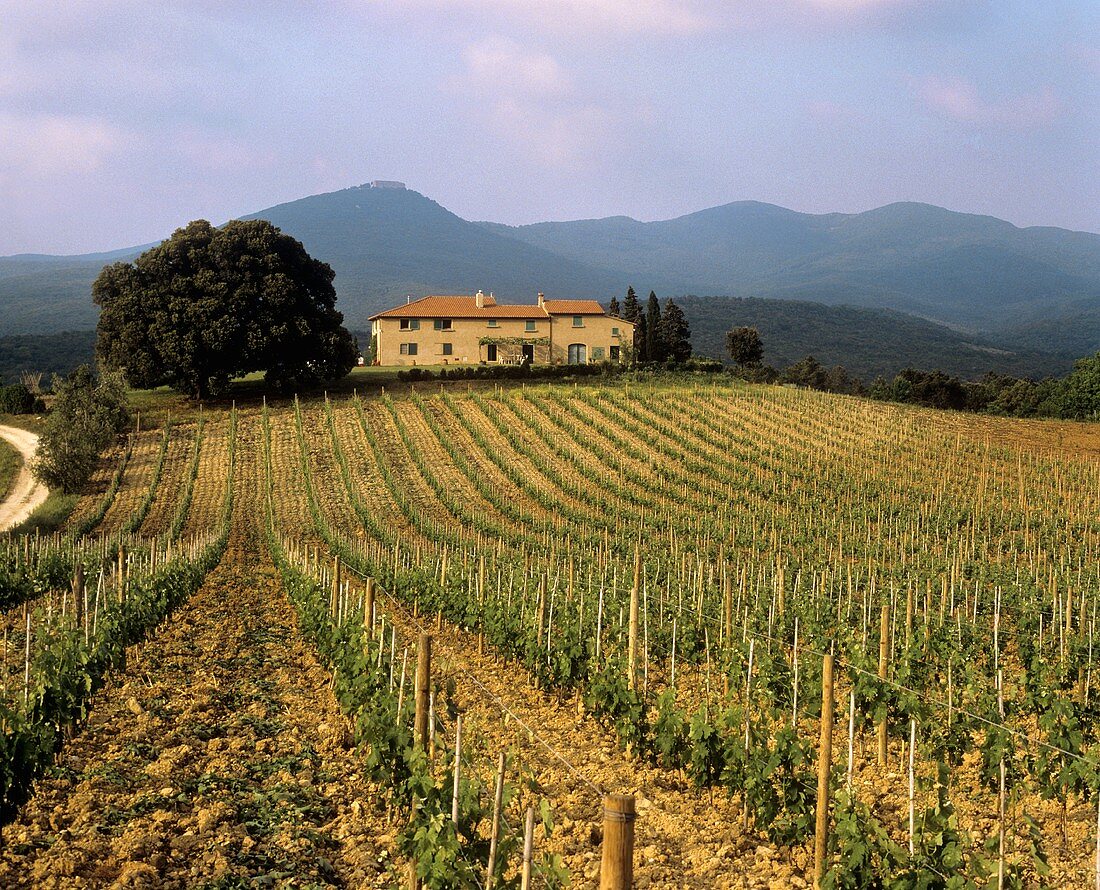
(528, 848)
(632, 639)
(824, 766)
(498, 801)
(883, 650)
(423, 686)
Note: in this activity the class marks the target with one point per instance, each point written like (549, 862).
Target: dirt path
(27, 493)
(217, 759)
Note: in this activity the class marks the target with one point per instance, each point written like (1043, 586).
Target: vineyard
(422, 638)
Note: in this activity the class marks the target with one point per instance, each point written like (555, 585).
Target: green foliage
(208, 305)
(46, 354)
(1080, 395)
(674, 333)
(744, 346)
(863, 856)
(654, 349)
(68, 665)
(631, 310)
(869, 342)
(87, 414)
(15, 398)
(669, 731)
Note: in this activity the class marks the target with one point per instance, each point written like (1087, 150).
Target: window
(448, 348)
(578, 354)
(410, 324)
(614, 332)
(443, 324)
(578, 321)
(408, 349)
(613, 353)
(530, 326)
(493, 323)
(597, 353)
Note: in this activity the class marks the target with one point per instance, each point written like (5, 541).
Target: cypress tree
(653, 346)
(640, 339)
(631, 309)
(675, 333)
(613, 307)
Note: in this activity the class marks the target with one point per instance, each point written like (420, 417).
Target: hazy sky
(123, 119)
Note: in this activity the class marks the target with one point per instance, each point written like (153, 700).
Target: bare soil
(219, 757)
(26, 493)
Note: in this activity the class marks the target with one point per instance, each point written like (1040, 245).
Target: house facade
(442, 330)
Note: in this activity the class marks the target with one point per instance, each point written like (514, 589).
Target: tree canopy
(210, 304)
(1080, 396)
(745, 346)
(674, 333)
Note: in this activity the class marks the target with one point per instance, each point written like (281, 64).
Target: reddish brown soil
(219, 756)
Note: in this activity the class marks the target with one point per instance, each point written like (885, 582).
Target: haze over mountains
(998, 285)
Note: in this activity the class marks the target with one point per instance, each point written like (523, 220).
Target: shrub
(87, 414)
(17, 399)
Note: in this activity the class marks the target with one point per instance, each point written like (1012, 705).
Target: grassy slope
(10, 462)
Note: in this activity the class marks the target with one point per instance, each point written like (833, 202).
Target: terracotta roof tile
(574, 307)
(459, 307)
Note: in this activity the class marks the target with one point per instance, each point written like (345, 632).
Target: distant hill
(956, 268)
(1034, 288)
(49, 354)
(46, 294)
(868, 342)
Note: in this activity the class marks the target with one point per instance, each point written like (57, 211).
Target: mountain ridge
(967, 271)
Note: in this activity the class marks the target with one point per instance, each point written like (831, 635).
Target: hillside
(957, 268)
(976, 273)
(867, 342)
(50, 354)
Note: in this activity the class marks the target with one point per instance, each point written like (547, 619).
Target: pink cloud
(614, 16)
(500, 64)
(47, 145)
(959, 99)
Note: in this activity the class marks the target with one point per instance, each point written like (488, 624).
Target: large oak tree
(210, 304)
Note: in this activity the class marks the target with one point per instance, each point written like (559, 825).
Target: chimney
(479, 300)
(542, 299)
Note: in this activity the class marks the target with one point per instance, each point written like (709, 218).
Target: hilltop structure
(442, 330)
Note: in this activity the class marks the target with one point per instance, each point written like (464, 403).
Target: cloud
(528, 100)
(220, 154)
(604, 16)
(958, 99)
(48, 145)
(501, 64)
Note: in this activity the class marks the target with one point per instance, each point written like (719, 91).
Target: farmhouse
(443, 330)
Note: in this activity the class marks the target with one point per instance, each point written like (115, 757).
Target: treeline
(45, 354)
(660, 335)
(1074, 397)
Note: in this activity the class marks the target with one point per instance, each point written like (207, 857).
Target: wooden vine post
(824, 767)
(883, 654)
(121, 574)
(528, 849)
(78, 594)
(420, 720)
(423, 686)
(334, 594)
(498, 801)
(617, 865)
(368, 607)
(632, 639)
